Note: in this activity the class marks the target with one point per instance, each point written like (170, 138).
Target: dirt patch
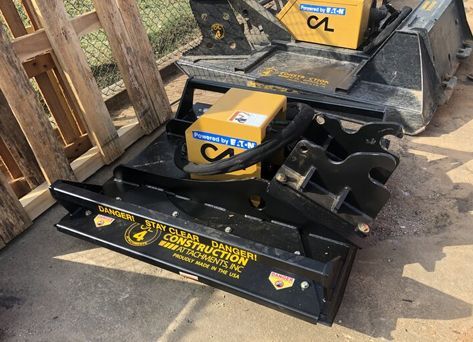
(433, 186)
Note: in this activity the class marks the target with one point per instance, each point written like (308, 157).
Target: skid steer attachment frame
(287, 240)
(409, 68)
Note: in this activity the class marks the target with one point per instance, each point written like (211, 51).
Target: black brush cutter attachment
(406, 64)
(286, 240)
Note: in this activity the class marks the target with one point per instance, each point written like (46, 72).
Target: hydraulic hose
(248, 158)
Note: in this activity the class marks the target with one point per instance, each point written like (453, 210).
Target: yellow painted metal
(235, 123)
(335, 23)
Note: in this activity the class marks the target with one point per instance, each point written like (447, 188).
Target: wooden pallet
(33, 153)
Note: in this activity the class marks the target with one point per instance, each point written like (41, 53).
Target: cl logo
(218, 31)
(230, 152)
(314, 23)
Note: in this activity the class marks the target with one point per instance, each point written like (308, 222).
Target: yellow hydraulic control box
(335, 23)
(237, 122)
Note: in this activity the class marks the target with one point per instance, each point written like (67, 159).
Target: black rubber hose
(405, 11)
(248, 158)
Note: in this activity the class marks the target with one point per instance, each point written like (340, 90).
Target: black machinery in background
(401, 55)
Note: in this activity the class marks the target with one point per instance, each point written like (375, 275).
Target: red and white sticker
(249, 119)
(281, 281)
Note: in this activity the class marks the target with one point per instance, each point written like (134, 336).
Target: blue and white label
(224, 140)
(323, 9)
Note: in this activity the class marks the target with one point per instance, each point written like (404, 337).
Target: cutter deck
(286, 239)
(178, 240)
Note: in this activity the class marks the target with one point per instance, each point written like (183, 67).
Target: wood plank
(38, 68)
(13, 217)
(12, 17)
(152, 77)
(68, 92)
(133, 58)
(37, 43)
(32, 45)
(31, 15)
(162, 63)
(78, 147)
(87, 164)
(18, 146)
(67, 99)
(38, 65)
(72, 60)
(30, 114)
(84, 23)
(3, 168)
(37, 201)
(57, 76)
(13, 170)
(40, 199)
(20, 187)
(62, 115)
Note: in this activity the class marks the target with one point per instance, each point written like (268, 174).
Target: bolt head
(320, 119)
(363, 228)
(88, 213)
(228, 229)
(281, 178)
(175, 214)
(297, 253)
(305, 285)
(118, 198)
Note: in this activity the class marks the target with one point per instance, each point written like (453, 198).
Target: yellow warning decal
(215, 256)
(269, 71)
(117, 213)
(255, 84)
(292, 76)
(140, 235)
(103, 221)
(281, 281)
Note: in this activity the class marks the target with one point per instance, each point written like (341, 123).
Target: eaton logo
(323, 9)
(223, 140)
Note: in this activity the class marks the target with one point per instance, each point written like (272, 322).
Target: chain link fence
(171, 28)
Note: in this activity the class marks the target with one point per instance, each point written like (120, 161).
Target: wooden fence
(35, 153)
